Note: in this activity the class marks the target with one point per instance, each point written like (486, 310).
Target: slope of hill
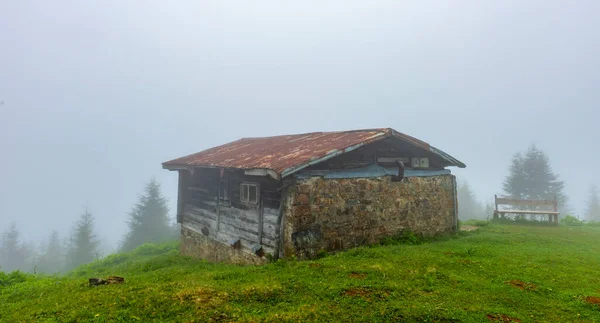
(497, 273)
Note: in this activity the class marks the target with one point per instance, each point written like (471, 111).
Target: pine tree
(12, 252)
(515, 183)
(84, 245)
(531, 177)
(148, 220)
(31, 256)
(468, 206)
(489, 210)
(52, 258)
(592, 210)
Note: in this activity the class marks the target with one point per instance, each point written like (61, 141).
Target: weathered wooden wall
(367, 155)
(224, 221)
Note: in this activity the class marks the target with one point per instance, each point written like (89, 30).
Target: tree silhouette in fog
(592, 210)
(148, 220)
(468, 205)
(52, 256)
(84, 244)
(13, 253)
(531, 177)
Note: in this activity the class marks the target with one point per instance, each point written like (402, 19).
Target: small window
(249, 193)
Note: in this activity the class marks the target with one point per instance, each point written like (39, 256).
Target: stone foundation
(338, 214)
(199, 246)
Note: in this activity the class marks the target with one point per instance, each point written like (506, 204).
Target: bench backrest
(518, 202)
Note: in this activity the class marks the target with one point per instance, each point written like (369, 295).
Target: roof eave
(174, 167)
(453, 161)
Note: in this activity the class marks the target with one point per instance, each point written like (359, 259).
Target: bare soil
(502, 318)
(593, 300)
(522, 285)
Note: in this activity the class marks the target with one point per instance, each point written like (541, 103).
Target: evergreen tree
(175, 230)
(515, 184)
(148, 220)
(468, 206)
(489, 210)
(52, 258)
(84, 245)
(592, 210)
(31, 256)
(531, 177)
(12, 252)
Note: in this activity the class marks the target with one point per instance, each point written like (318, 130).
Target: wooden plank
(196, 227)
(203, 201)
(270, 231)
(212, 224)
(278, 251)
(526, 212)
(181, 193)
(270, 219)
(268, 242)
(218, 206)
(249, 216)
(260, 220)
(239, 232)
(270, 215)
(240, 224)
(516, 202)
(242, 219)
(392, 160)
(200, 212)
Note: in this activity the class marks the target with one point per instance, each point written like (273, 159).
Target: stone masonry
(338, 214)
(199, 246)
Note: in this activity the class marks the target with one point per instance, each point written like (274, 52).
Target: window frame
(248, 185)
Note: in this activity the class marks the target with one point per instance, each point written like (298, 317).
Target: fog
(94, 96)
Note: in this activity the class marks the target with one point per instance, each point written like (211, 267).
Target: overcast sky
(94, 96)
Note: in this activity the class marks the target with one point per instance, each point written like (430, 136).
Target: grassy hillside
(501, 271)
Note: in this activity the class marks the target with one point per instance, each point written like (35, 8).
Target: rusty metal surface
(289, 153)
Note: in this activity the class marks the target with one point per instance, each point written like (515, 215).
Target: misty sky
(93, 97)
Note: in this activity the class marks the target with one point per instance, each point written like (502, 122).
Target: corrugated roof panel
(290, 153)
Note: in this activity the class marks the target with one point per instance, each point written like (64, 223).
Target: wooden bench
(552, 214)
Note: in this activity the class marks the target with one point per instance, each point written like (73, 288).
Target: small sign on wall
(422, 162)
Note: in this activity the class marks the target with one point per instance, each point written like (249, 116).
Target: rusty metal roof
(290, 153)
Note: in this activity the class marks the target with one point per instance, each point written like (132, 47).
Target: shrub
(571, 221)
(593, 224)
(15, 277)
(403, 237)
(477, 223)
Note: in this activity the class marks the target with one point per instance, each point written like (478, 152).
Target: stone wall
(196, 245)
(337, 214)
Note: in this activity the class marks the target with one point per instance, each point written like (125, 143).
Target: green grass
(461, 279)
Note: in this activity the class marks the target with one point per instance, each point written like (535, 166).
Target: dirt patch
(522, 285)
(357, 275)
(468, 228)
(314, 265)
(357, 292)
(502, 318)
(593, 300)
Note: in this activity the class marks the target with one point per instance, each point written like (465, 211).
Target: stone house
(298, 195)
